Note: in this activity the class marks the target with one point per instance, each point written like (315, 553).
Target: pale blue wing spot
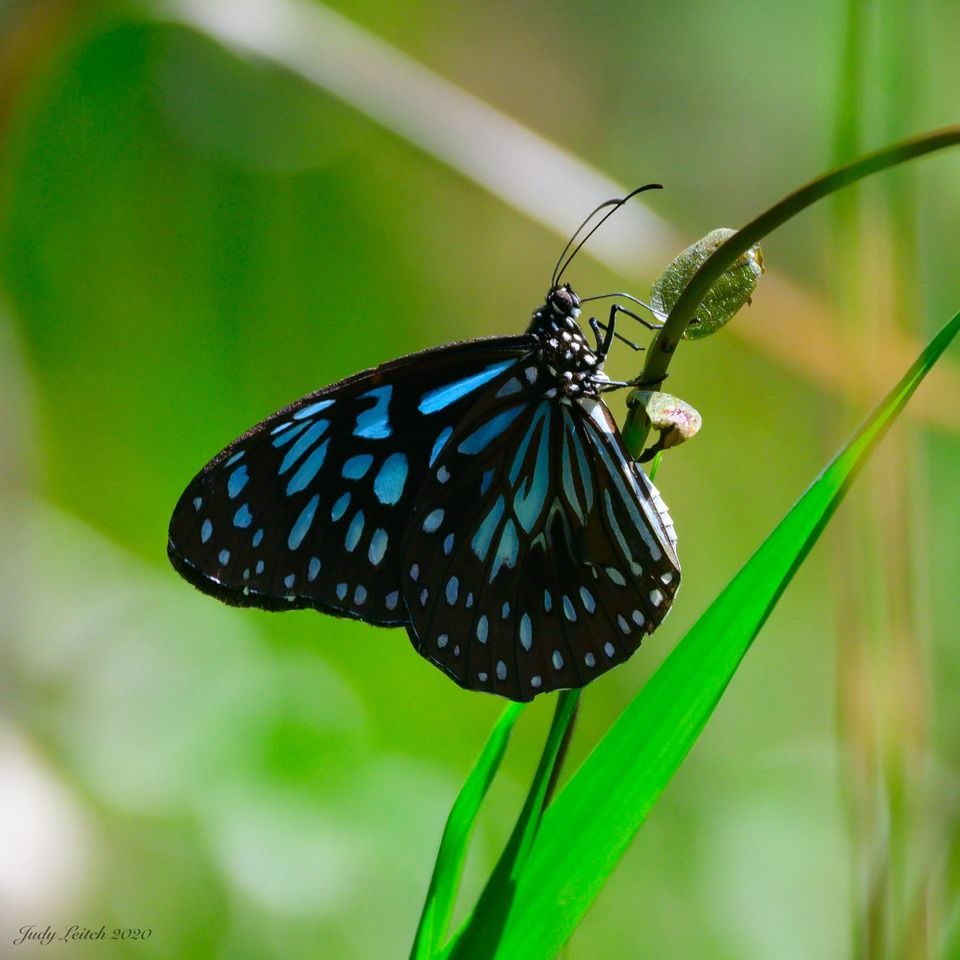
(482, 629)
(483, 436)
(258, 537)
(424, 596)
(206, 530)
(391, 599)
(484, 535)
(482, 676)
(360, 595)
(224, 557)
(284, 438)
(587, 597)
(442, 640)
(530, 499)
(443, 474)
(280, 427)
(505, 610)
(511, 387)
(615, 527)
(583, 464)
(354, 532)
(622, 624)
(313, 569)
(453, 590)
(312, 409)
(356, 467)
(616, 576)
(440, 443)
(448, 542)
(391, 478)
(341, 591)
(526, 632)
(557, 659)
(374, 424)
(631, 497)
(485, 481)
(289, 580)
(237, 481)
(569, 488)
(507, 550)
(313, 433)
(197, 503)
(308, 469)
(299, 530)
(243, 517)
(637, 618)
(235, 458)
(340, 507)
(542, 413)
(441, 397)
(536, 680)
(501, 670)
(415, 572)
(568, 610)
(469, 601)
(432, 521)
(589, 659)
(378, 546)
(259, 568)
(547, 601)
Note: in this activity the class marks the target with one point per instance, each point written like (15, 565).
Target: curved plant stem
(665, 343)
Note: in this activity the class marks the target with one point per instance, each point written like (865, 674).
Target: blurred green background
(191, 237)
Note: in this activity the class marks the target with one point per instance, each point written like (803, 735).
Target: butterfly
(478, 494)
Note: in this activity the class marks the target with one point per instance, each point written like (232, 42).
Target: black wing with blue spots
(478, 494)
(309, 508)
(539, 554)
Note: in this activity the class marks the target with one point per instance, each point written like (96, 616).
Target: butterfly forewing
(308, 508)
(536, 557)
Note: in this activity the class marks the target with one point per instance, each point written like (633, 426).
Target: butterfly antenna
(554, 277)
(615, 205)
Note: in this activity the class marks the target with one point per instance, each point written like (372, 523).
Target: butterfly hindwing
(538, 554)
(308, 508)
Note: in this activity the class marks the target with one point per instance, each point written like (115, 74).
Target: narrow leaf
(442, 892)
(588, 827)
(494, 905)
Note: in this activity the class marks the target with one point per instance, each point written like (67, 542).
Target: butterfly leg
(616, 308)
(604, 342)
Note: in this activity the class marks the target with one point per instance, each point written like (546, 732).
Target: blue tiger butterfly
(478, 494)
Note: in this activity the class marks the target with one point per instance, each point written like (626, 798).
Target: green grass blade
(494, 906)
(585, 831)
(442, 892)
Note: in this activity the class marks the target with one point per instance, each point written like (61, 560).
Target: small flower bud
(674, 419)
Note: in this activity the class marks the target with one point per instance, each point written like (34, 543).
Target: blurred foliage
(188, 240)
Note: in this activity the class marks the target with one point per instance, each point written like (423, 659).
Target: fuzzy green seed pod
(726, 296)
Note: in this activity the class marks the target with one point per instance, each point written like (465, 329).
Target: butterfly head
(563, 302)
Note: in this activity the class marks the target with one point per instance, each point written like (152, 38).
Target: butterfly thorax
(563, 347)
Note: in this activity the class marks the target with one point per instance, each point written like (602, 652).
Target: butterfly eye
(564, 301)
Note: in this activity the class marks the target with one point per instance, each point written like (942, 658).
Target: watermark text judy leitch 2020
(32, 933)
